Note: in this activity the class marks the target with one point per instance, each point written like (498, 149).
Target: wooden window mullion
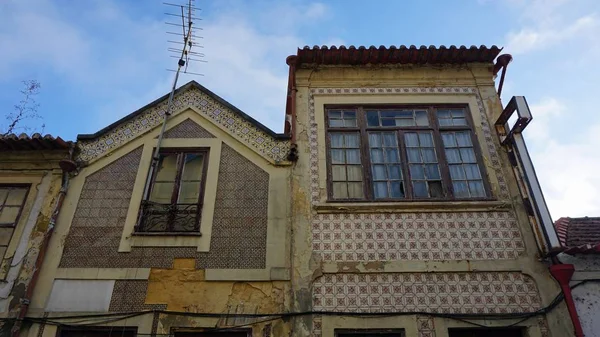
(441, 155)
(365, 154)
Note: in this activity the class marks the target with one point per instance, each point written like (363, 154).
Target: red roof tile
(12, 142)
(579, 235)
(395, 55)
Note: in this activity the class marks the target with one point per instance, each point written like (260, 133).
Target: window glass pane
(167, 167)
(189, 192)
(420, 189)
(421, 116)
(428, 155)
(380, 189)
(448, 139)
(414, 155)
(396, 189)
(405, 122)
(463, 139)
(336, 123)
(16, 196)
(337, 140)
(425, 139)
(442, 113)
(411, 139)
(353, 156)
(395, 172)
(338, 157)
(377, 156)
(476, 188)
(379, 172)
(389, 139)
(354, 172)
(472, 171)
(335, 114)
(340, 190)
(456, 172)
(162, 192)
(192, 167)
(355, 190)
(460, 189)
(391, 155)
(467, 155)
(372, 118)
(349, 114)
(459, 121)
(445, 122)
(435, 189)
(352, 140)
(374, 139)
(432, 171)
(388, 122)
(457, 113)
(338, 172)
(9, 214)
(453, 156)
(350, 123)
(416, 172)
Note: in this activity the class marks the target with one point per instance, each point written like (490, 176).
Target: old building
(581, 239)
(407, 209)
(205, 234)
(395, 203)
(32, 185)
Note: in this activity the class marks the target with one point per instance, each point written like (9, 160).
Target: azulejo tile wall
(473, 292)
(228, 120)
(485, 127)
(416, 236)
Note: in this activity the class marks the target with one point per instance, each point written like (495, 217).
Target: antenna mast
(184, 54)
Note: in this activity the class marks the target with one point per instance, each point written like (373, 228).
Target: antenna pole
(184, 54)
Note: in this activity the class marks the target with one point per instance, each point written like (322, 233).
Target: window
(12, 199)
(402, 153)
(92, 331)
(370, 333)
(173, 201)
(485, 332)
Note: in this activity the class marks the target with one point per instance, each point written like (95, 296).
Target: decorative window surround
(131, 239)
(316, 133)
(275, 150)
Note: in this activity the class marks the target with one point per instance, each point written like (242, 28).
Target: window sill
(163, 234)
(411, 206)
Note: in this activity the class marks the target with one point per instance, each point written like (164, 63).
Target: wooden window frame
(26, 186)
(362, 129)
(181, 152)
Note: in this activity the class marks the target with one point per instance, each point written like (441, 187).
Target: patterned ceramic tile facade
(484, 292)
(485, 127)
(239, 225)
(425, 326)
(416, 236)
(187, 129)
(317, 326)
(130, 295)
(222, 116)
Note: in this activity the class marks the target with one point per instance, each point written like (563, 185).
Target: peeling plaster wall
(42, 172)
(586, 295)
(333, 243)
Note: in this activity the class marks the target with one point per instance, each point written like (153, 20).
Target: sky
(99, 60)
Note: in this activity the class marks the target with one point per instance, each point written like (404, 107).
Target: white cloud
(546, 23)
(118, 60)
(544, 112)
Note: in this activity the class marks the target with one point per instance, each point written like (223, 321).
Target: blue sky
(98, 60)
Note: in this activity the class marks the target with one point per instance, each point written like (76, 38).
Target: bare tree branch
(27, 109)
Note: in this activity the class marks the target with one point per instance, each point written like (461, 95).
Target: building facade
(32, 185)
(387, 207)
(581, 239)
(410, 211)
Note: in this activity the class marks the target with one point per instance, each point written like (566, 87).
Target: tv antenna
(183, 51)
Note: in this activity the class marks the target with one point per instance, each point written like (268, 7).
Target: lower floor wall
(163, 324)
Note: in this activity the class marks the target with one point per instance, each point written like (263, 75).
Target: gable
(270, 145)
(187, 129)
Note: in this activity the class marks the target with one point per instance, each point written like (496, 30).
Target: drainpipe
(67, 166)
(563, 273)
(290, 107)
(502, 63)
